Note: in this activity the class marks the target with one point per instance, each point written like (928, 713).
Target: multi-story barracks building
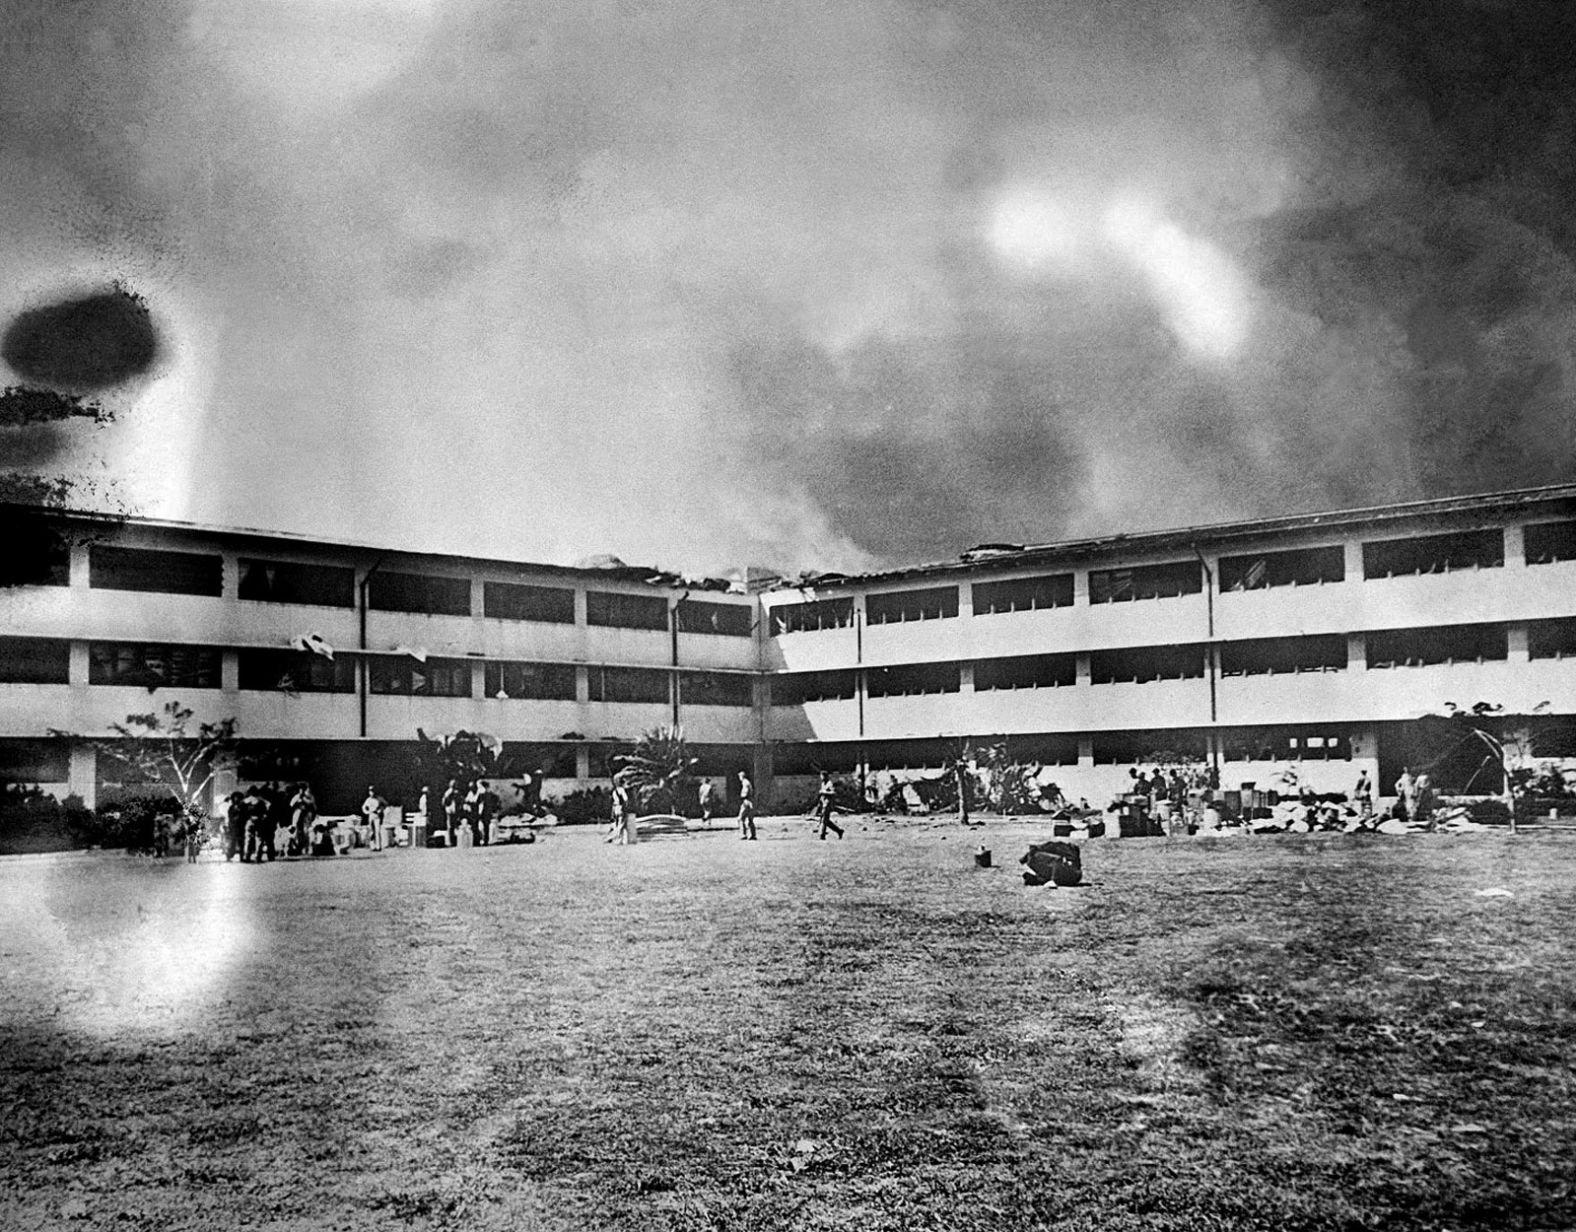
(1319, 644)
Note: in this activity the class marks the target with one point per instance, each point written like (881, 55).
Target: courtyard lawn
(1282, 1033)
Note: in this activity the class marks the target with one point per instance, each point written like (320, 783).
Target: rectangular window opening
(812, 616)
(154, 571)
(287, 581)
(1142, 664)
(517, 601)
(797, 688)
(913, 679)
(620, 611)
(1547, 542)
(1298, 567)
(1269, 656)
(1472, 549)
(507, 680)
(1168, 581)
(1445, 644)
(1026, 672)
(629, 684)
(35, 660)
(420, 593)
(1023, 594)
(892, 607)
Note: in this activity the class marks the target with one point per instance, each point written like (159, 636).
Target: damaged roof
(1015, 556)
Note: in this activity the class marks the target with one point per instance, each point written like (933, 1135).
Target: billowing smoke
(704, 283)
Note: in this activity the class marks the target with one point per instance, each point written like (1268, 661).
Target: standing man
(746, 807)
(824, 804)
(1405, 794)
(372, 810)
(708, 802)
(1363, 795)
(960, 775)
(451, 810)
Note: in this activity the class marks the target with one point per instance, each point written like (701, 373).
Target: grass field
(1289, 1032)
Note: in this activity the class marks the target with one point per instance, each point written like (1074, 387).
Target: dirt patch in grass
(1309, 1032)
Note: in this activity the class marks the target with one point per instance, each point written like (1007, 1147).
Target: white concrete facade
(1175, 672)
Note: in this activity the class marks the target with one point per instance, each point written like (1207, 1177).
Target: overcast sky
(814, 284)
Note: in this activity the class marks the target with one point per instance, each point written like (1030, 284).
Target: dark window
(1285, 744)
(728, 619)
(1471, 549)
(1154, 747)
(1023, 594)
(797, 688)
(807, 759)
(1139, 664)
(1185, 577)
(153, 666)
(812, 616)
(911, 754)
(1554, 738)
(294, 671)
(419, 592)
(909, 679)
(542, 681)
(288, 581)
(1445, 644)
(1268, 656)
(510, 601)
(550, 760)
(168, 573)
(1551, 639)
(35, 761)
(1546, 542)
(626, 611)
(402, 676)
(628, 684)
(895, 606)
(36, 551)
(1300, 567)
(715, 689)
(1048, 749)
(34, 660)
(1026, 672)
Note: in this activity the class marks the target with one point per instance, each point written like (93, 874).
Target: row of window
(160, 571)
(154, 665)
(113, 567)
(1546, 639)
(47, 661)
(1240, 744)
(1441, 553)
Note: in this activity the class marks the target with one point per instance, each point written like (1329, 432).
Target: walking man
(746, 807)
(708, 802)
(824, 805)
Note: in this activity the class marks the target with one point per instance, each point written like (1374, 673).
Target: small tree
(163, 750)
(657, 768)
(1511, 752)
(464, 756)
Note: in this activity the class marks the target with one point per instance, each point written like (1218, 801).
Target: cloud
(701, 283)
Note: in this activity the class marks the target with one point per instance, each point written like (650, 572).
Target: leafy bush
(32, 820)
(142, 823)
(586, 805)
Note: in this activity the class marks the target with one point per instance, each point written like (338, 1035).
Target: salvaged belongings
(1054, 863)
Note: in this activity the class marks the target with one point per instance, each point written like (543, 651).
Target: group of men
(624, 828)
(468, 812)
(269, 820)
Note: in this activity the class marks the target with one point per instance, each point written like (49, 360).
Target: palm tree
(654, 770)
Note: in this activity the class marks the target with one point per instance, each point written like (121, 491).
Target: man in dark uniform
(824, 804)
